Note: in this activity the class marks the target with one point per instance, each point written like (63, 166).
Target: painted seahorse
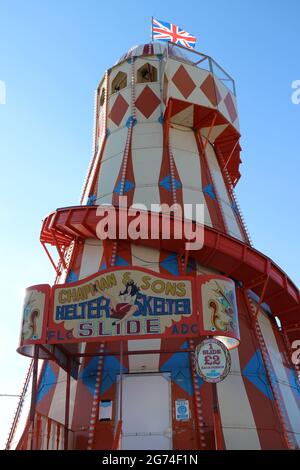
(30, 324)
(216, 317)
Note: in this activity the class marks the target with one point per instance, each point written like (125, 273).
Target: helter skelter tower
(119, 328)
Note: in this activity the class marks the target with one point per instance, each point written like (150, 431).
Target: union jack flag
(169, 32)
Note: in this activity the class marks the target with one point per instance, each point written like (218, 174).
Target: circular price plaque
(212, 360)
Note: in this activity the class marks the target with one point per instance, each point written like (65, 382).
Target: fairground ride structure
(119, 328)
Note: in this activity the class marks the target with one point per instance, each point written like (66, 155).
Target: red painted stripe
(266, 419)
(49, 424)
(126, 166)
(184, 434)
(124, 250)
(76, 263)
(212, 205)
(286, 360)
(165, 194)
(102, 261)
(171, 344)
(96, 163)
(82, 414)
(58, 431)
(206, 396)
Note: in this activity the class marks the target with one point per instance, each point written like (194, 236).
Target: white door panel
(146, 412)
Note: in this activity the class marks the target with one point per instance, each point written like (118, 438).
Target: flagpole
(151, 28)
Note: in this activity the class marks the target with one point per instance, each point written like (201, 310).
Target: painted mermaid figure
(123, 306)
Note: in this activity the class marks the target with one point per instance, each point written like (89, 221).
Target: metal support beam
(197, 128)
(194, 381)
(186, 259)
(232, 152)
(61, 255)
(50, 257)
(278, 401)
(121, 380)
(210, 130)
(118, 435)
(261, 280)
(67, 406)
(219, 442)
(133, 353)
(33, 391)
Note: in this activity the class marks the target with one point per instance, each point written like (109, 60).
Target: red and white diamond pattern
(197, 86)
(118, 109)
(147, 102)
(185, 83)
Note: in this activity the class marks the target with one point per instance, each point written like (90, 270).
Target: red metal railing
(45, 434)
(222, 252)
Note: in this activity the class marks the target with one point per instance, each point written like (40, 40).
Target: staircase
(234, 197)
(19, 408)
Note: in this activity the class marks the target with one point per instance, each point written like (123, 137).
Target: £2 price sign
(213, 360)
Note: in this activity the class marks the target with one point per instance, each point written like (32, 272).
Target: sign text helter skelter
(123, 303)
(130, 302)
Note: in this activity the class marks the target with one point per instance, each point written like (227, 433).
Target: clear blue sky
(52, 55)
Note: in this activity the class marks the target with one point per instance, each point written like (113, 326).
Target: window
(102, 98)
(147, 73)
(119, 82)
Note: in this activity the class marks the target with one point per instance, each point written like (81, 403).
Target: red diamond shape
(147, 102)
(183, 82)
(211, 90)
(118, 110)
(230, 107)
